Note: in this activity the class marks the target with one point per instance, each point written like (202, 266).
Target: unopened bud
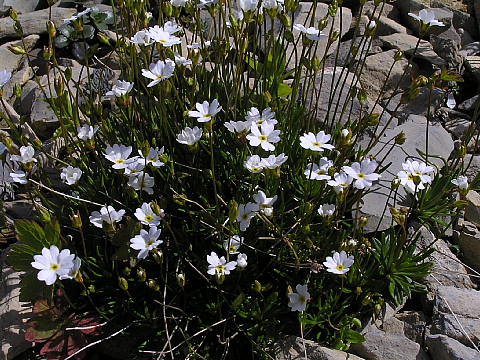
(13, 15)
(257, 286)
(123, 283)
(400, 138)
(76, 220)
(52, 31)
(181, 280)
(158, 256)
(398, 55)
(152, 284)
(142, 275)
(362, 222)
(17, 50)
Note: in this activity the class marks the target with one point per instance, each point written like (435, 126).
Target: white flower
(118, 155)
(159, 71)
(364, 173)
(264, 203)
(237, 126)
(319, 171)
(232, 244)
(147, 216)
(219, 266)
(163, 37)
(272, 162)
(5, 77)
(427, 17)
(86, 132)
(19, 177)
(339, 263)
(180, 60)
(451, 103)
(461, 182)
(345, 132)
(245, 213)
(419, 169)
(134, 168)
(178, 3)
(248, 5)
(254, 116)
(107, 214)
(70, 175)
(189, 136)
(242, 260)
(142, 181)
(407, 179)
(265, 136)
(326, 209)
(205, 111)
(272, 4)
(78, 16)
(340, 181)
(146, 241)
(298, 300)
(254, 164)
(26, 155)
(74, 271)
(120, 88)
(317, 142)
(311, 32)
(153, 157)
(6, 179)
(142, 37)
(372, 24)
(52, 263)
(204, 3)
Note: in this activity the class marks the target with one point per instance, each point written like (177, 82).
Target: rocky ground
(441, 325)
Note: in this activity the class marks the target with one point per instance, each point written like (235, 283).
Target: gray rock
(414, 325)
(13, 312)
(473, 64)
(20, 209)
(34, 22)
(375, 77)
(457, 126)
(9, 60)
(472, 162)
(447, 269)
(331, 100)
(407, 44)
(387, 26)
(472, 48)
(20, 77)
(384, 346)
(442, 347)
(476, 6)
(472, 211)
(384, 9)
(447, 45)
(440, 143)
(292, 349)
(24, 6)
(457, 327)
(469, 241)
(462, 302)
(340, 23)
(414, 6)
(465, 36)
(469, 105)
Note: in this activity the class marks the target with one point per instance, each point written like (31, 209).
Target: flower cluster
(415, 175)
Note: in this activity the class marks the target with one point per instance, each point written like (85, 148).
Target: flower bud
(257, 286)
(76, 220)
(181, 280)
(398, 55)
(400, 138)
(17, 50)
(152, 284)
(395, 183)
(142, 275)
(13, 15)
(158, 256)
(362, 222)
(123, 283)
(285, 20)
(357, 322)
(52, 31)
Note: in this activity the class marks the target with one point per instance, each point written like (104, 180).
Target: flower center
(232, 248)
(410, 177)
(255, 169)
(149, 243)
(55, 267)
(220, 268)
(340, 267)
(120, 161)
(316, 143)
(302, 299)
(263, 138)
(149, 218)
(361, 176)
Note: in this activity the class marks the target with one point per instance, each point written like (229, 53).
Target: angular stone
(292, 349)
(447, 269)
(407, 44)
(469, 105)
(330, 97)
(414, 6)
(442, 347)
(376, 69)
(440, 143)
(447, 45)
(414, 327)
(457, 327)
(11, 62)
(473, 64)
(383, 9)
(23, 6)
(472, 211)
(34, 22)
(469, 241)
(13, 312)
(383, 346)
(473, 163)
(461, 16)
(387, 26)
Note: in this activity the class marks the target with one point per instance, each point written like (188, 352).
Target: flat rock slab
(10, 61)
(384, 346)
(407, 43)
(34, 22)
(442, 347)
(440, 143)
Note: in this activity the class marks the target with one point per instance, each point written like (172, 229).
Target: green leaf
(30, 287)
(52, 233)
(284, 90)
(88, 31)
(353, 336)
(61, 41)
